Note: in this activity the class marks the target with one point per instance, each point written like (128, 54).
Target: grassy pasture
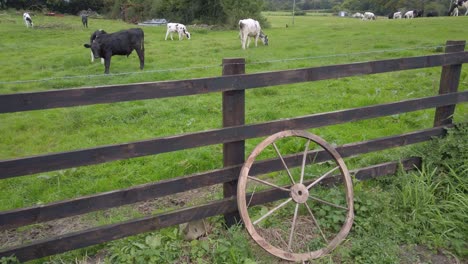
(52, 56)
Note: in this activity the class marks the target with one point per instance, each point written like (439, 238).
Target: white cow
(397, 15)
(251, 28)
(368, 16)
(410, 14)
(27, 20)
(358, 15)
(179, 28)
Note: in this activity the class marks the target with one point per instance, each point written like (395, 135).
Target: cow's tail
(241, 25)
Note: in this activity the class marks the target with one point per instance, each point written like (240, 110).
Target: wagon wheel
(309, 220)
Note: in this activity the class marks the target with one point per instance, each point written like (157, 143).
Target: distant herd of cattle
(105, 45)
(417, 13)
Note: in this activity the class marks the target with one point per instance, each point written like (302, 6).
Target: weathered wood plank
(141, 91)
(56, 161)
(93, 236)
(233, 115)
(449, 81)
(25, 216)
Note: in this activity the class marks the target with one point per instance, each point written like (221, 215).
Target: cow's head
(264, 38)
(95, 48)
(95, 44)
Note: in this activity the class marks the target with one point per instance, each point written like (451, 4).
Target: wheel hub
(299, 193)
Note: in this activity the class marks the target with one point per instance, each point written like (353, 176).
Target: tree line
(218, 12)
(214, 12)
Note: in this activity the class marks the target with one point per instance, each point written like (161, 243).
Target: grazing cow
(368, 16)
(395, 15)
(251, 28)
(104, 45)
(27, 20)
(84, 20)
(358, 15)
(179, 28)
(413, 14)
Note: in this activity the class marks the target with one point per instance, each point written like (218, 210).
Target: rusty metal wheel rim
(298, 192)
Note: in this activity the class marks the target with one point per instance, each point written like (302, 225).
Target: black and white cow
(455, 5)
(368, 16)
(104, 45)
(395, 15)
(251, 28)
(179, 28)
(27, 20)
(413, 14)
(84, 20)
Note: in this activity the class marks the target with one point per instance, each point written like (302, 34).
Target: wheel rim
(301, 196)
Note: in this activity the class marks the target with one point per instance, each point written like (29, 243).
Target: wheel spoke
(321, 177)
(304, 160)
(284, 163)
(268, 183)
(316, 222)
(292, 227)
(327, 203)
(272, 211)
(251, 196)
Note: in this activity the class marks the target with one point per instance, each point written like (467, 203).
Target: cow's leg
(92, 56)
(107, 61)
(141, 56)
(256, 40)
(167, 33)
(243, 40)
(248, 41)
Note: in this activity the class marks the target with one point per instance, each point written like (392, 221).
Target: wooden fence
(232, 84)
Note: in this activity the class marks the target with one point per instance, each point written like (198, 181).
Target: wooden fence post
(449, 81)
(233, 115)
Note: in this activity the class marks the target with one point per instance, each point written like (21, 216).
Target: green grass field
(52, 56)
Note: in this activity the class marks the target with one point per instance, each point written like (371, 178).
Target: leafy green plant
(9, 260)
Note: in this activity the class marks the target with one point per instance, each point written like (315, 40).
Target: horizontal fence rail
(232, 84)
(130, 92)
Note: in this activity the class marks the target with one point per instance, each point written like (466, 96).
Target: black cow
(432, 14)
(84, 20)
(104, 45)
